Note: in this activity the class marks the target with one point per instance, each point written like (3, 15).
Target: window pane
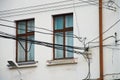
(21, 50)
(30, 25)
(69, 42)
(21, 27)
(30, 46)
(59, 40)
(58, 22)
(69, 21)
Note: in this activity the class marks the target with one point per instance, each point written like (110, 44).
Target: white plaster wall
(111, 53)
(88, 22)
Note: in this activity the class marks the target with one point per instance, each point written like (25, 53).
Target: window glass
(30, 24)
(69, 42)
(21, 27)
(59, 40)
(21, 49)
(25, 49)
(63, 30)
(30, 48)
(69, 21)
(59, 22)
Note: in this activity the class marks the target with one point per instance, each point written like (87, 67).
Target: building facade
(63, 40)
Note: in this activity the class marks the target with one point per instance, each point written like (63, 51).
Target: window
(24, 48)
(63, 35)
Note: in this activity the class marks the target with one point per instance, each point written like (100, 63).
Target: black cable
(21, 24)
(6, 20)
(113, 25)
(21, 45)
(103, 32)
(103, 46)
(116, 4)
(77, 37)
(103, 39)
(41, 42)
(89, 73)
(118, 40)
(58, 34)
(112, 48)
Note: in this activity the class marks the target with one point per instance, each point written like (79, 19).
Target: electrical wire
(103, 39)
(103, 32)
(21, 24)
(40, 42)
(88, 76)
(89, 73)
(112, 74)
(104, 6)
(76, 37)
(43, 44)
(7, 20)
(112, 48)
(113, 25)
(116, 4)
(105, 45)
(58, 34)
(74, 11)
(118, 40)
(50, 45)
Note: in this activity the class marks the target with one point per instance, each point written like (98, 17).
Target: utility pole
(101, 39)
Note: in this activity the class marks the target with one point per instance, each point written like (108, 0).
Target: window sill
(61, 62)
(24, 65)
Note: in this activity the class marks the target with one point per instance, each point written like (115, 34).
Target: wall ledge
(23, 65)
(62, 62)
